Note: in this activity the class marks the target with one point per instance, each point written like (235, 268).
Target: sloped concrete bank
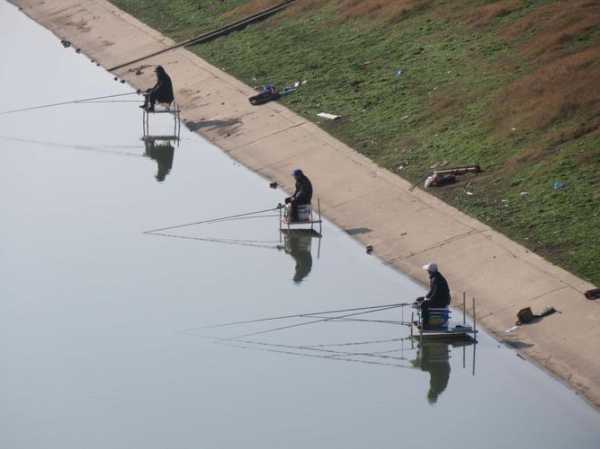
(406, 228)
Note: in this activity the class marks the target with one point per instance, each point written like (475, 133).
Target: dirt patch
(556, 91)
(553, 28)
(486, 14)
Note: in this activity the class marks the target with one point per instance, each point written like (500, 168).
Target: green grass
(442, 109)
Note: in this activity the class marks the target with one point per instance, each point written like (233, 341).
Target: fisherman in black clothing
(302, 195)
(161, 92)
(438, 296)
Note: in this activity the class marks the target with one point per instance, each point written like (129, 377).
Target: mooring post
(464, 308)
(474, 320)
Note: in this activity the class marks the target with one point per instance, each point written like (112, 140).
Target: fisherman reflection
(434, 358)
(297, 243)
(162, 152)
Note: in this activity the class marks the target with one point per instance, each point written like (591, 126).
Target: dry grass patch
(555, 92)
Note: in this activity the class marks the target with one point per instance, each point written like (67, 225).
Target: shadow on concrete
(357, 231)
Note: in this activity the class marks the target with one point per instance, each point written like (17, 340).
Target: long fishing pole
(212, 220)
(62, 103)
(306, 323)
(299, 315)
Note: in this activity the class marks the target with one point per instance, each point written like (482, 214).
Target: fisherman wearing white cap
(438, 296)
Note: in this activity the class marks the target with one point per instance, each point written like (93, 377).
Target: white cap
(431, 267)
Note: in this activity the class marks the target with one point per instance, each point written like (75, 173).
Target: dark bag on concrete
(525, 315)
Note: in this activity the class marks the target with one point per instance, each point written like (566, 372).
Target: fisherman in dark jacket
(161, 92)
(302, 195)
(438, 296)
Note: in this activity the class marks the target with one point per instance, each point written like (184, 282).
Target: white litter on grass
(329, 116)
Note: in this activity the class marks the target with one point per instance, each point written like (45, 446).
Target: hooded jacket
(439, 293)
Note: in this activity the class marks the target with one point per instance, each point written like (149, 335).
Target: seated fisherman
(438, 296)
(161, 92)
(302, 195)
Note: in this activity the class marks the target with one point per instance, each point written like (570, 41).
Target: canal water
(103, 336)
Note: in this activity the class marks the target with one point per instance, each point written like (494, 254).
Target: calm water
(101, 335)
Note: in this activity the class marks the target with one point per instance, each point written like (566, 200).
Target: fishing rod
(205, 37)
(321, 320)
(212, 220)
(299, 315)
(62, 103)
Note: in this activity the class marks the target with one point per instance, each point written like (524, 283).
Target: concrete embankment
(406, 228)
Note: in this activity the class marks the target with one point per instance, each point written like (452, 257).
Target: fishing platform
(440, 327)
(308, 219)
(162, 108)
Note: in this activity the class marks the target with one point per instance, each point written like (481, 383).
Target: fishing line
(212, 220)
(257, 347)
(332, 352)
(359, 320)
(62, 103)
(97, 149)
(251, 243)
(358, 343)
(313, 322)
(299, 315)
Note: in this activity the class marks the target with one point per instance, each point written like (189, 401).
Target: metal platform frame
(285, 224)
(172, 108)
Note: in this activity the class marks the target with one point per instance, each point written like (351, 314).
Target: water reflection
(398, 350)
(298, 244)
(162, 152)
(433, 357)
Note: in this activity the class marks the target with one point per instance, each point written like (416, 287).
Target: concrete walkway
(406, 228)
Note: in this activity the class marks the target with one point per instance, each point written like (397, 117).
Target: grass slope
(511, 85)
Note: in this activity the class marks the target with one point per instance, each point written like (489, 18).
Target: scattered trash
(288, 90)
(400, 167)
(469, 193)
(524, 193)
(558, 185)
(78, 50)
(399, 73)
(369, 249)
(448, 176)
(273, 185)
(267, 93)
(116, 78)
(514, 328)
(438, 180)
(593, 294)
(459, 170)
(526, 315)
(329, 116)
(65, 43)
(122, 81)
(138, 72)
